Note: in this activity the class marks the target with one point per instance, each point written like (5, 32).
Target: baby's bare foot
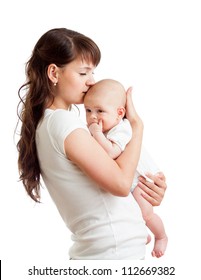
(159, 247)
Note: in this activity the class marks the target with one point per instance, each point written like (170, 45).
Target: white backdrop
(154, 46)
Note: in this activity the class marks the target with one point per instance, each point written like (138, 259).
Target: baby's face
(101, 107)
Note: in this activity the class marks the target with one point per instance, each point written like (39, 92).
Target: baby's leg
(153, 222)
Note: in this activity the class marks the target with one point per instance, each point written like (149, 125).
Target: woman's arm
(114, 176)
(155, 191)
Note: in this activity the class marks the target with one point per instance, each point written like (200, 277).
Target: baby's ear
(121, 112)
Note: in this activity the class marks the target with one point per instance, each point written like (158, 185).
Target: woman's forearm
(128, 160)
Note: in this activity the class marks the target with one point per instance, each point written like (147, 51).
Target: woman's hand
(153, 192)
(131, 113)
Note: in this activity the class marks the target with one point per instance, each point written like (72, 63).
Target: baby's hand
(95, 128)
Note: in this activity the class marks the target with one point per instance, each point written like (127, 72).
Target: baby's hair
(115, 87)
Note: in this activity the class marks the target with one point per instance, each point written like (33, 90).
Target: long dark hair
(59, 46)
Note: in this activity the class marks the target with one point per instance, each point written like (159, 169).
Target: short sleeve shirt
(103, 226)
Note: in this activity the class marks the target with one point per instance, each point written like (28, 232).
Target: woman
(90, 190)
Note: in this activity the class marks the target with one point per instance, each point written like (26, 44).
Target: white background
(155, 46)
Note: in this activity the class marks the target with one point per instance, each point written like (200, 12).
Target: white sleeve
(60, 124)
(120, 134)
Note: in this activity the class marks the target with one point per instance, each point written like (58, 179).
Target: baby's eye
(100, 111)
(83, 74)
(88, 110)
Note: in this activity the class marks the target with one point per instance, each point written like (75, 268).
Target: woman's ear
(52, 73)
(121, 112)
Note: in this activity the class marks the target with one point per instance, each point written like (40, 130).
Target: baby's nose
(93, 116)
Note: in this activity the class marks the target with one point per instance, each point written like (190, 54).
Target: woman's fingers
(154, 189)
(131, 113)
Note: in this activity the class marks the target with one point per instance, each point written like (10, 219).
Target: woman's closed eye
(86, 73)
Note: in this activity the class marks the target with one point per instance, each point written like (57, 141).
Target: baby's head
(105, 101)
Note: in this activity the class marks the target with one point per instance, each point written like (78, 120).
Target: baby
(105, 114)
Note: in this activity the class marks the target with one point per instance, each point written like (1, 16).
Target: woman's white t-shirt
(103, 226)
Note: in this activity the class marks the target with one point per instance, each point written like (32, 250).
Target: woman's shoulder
(60, 120)
(60, 115)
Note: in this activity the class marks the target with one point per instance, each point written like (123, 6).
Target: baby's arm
(112, 149)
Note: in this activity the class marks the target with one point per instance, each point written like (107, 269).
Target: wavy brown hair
(59, 46)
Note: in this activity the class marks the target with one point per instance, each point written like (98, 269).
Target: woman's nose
(90, 81)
